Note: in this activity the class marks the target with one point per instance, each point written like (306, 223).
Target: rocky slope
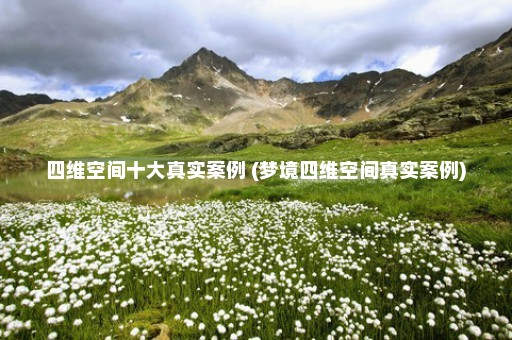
(427, 118)
(487, 65)
(11, 103)
(209, 94)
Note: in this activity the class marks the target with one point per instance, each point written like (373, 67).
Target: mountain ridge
(11, 103)
(209, 94)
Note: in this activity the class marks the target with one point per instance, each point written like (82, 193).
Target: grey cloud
(92, 42)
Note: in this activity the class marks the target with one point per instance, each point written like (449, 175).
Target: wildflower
(64, 308)
(439, 301)
(454, 327)
(221, 329)
(134, 332)
(475, 330)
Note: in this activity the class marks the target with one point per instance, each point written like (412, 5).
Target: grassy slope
(480, 207)
(17, 160)
(84, 138)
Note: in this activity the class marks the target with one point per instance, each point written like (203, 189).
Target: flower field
(240, 270)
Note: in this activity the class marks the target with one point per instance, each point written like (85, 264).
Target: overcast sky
(89, 48)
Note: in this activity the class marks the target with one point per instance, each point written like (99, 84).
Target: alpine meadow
(418, 247)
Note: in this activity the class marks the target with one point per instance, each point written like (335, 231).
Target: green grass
(480, 206)
(75, 138)
(244, 239)
(482, 202)
(287, 261)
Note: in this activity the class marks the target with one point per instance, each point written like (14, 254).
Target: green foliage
(482, 202)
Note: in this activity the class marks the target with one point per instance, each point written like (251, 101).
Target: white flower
(14, 325)
(475, 330)
(78, 304)
(134, 332)
(439, 301)
(501, 319)
(21, 290)
(52, 335)
(194, 315)
(390, 296)
(201, 326)
(52, 320)
(77, 322)
(392, 331)
(406, 288)
(221, 329)
(64, 308)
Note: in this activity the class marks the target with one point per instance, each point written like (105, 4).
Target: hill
(209, 95)
(11, 103)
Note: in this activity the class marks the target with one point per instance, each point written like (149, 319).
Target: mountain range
(11, 103)
(209, 94)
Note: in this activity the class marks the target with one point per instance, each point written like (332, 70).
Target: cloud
(87, 44)
(29, 82)
(421, 61)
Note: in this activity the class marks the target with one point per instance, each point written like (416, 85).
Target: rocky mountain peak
(205, 57)
(204, 61)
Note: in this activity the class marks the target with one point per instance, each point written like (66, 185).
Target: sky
(91, 48)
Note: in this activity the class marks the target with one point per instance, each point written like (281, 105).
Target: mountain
(11, 103)
(209, 94)
(365, 95)
(487, 65)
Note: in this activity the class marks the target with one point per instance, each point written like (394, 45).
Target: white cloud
(422, 61)
(18, 84)
(95, 42)
(53, 87)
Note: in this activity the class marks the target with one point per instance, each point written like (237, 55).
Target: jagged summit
(205, 56)
(203, 61)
